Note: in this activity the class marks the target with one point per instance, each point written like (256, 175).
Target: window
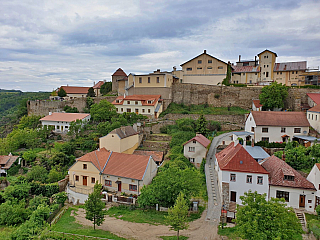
(158, 80)
(128, 109)
(252, 129)
(199, 68)
(191, 160)
(297, 130)
(189, 69)
(128, 102)
(296, 72)
(194, 141)
(283, 194)
(149, 102)
(243, 74)
(309, 201)
(319, 186)
(309, 116)
(121, 109)
(199, 61)
(249, 178)
(93, 180)
(211, 68)
(255, 74)
(232, 177)
(259, 180)
(117, 109)
(288, 178)
(267, 65)
(191, 149)
(293, 72)
(58, 127)
(132, 187)
(209, 61)
(220, 67)
(312, 117)
(137, 111)
(277, 73)
(264, 73)
(265, 130)
(265, 139)
(148, 79)
(77, 178)
(149, 110)
(143, 110)
(140, 80)
(316, 117)
(283, 130)
(264, 66)
(267, 74)
(108, 183)
(136, 102)
(85, 166)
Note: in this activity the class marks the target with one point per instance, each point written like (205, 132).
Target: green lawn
(67, 224)
(145, 216)
(173, 237)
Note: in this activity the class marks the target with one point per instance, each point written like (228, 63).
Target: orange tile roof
(7, 161)
(315, 97)
(318, 165)
(64, 117)
(143, 98)
(98, 84)
(118, 164)
(75, 90)
(257, 103)
(119, 72)
(237, 159)
(285, 119)
(277, 168)
(201, 139)
(156, 155)
(241, 69)
(314, 109)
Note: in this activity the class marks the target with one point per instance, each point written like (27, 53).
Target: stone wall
(43, 107)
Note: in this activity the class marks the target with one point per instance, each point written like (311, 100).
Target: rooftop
(7, 161)
(64, 117)
(143, 98)
(257, 103)
(257, 152)
(75, 90)
(285, 119)
(119, 72)
(156, 155)
(200, 139)
(240, 69)
(315, 97)
(98, 84)
(290, 66)
(124, 132)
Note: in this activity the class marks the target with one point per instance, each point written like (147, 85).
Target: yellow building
(204, 69)
(148, 105)
(123, 140)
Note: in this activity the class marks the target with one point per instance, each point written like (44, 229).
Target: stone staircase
(214, 193)
(156, 142)
(302, 220)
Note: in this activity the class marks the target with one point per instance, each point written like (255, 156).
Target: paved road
(214, 195)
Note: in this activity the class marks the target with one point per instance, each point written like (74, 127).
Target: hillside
(13, 105)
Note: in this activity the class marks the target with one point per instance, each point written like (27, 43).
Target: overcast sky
(45, 44)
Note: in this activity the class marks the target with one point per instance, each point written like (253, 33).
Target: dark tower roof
(119, 72)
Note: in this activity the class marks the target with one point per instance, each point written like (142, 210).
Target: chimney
(94, 83)
(283, 156)
(205, 51)
(174, 68)
(239, 58)
(252, 142)
(255, 61)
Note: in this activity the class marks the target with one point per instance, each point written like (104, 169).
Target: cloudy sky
(45, 44)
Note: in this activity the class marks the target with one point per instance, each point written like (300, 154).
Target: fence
(86, 191)
(69, 236)
(54, 213)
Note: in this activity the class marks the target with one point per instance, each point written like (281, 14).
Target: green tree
(106, 88)
(62, 92)
(37, 173)
(75, 128)
(29, 122)
(262, 219)
(226, 80)
(178, 215)
(94, 206)
(201, 125)
(273, 95)
(103, 111)
(91, 92)
(69, 109)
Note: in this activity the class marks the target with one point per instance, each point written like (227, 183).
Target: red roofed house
(6, 162)
(119, 81)
(313, 115)
(274, 126)
(117, 172)
(287, 183)
(61, 121)
(256, 105)
(313, 99)
(148, 105)
(238, 172)
(314, 177)
(96, 87)
(73, 92)
(196, 149)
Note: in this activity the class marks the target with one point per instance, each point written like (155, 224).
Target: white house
(313, 99)
(287, 183)
(314, 177)
(148, 105)
(238, 173)
(256, 105)
(61, 121)
(313, 115)
(196, 149)
(274, 126)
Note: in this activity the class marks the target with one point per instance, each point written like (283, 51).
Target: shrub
(46, 190)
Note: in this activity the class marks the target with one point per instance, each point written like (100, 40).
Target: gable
(199, 57)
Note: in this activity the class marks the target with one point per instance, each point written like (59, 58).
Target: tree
(105, 88)
(91, 92)
(273, 95)
(62, 92)
(94, 206)
(103, 111)
(262, 219)
(201, 125)
(37, 173)
(177, 215)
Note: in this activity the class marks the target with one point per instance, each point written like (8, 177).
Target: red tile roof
(318, 165)
(156, 155)
(202, 54)
(65, 117)
(285, 119)
(290, 66)
(257, 103)
(118, 164)
(7, 161)
(277, 168)
(237, 159)
(98, 84)
(143, 98)
(315, 97)
(75, 90)
(315, 108)
(119, 72)
(201, 139)
(241, 69)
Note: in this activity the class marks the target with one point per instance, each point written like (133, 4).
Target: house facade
(256, 105)
(73, 92)
(274, 126)
(313, 99)
(313, 115)
(196, 149)
(117, 172)
(148, 105)
(60, 122)
(6, 162)
(119, 81)
(285, 182)
(314, 177)
(97, 86)
(122, 140)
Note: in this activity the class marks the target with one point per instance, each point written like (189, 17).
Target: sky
(45, 44)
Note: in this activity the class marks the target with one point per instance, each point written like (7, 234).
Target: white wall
(311, 103)
(314, 120)
(198, 154)
(314, 177)
(294, 196)
(75, 197)
(60, 124)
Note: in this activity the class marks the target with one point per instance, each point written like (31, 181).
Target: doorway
(119, 186)
(84, 180)
(233, 196)
(302, 201)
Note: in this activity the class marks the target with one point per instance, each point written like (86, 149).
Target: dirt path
(198, 229)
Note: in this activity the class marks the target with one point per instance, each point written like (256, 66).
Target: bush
(46, 190)
(164, 129)
(12, 213)
(271, 145)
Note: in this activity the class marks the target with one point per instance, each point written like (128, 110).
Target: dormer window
(288, 178)
(117, 101)
(194, 141)
(149, 102)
